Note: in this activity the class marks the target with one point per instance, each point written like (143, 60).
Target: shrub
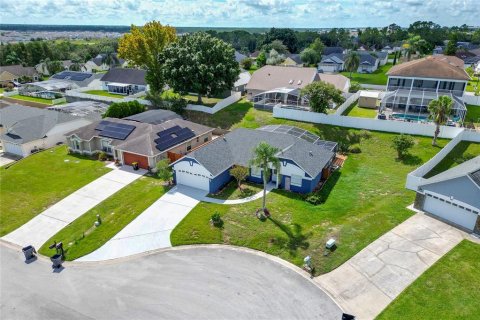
(402, 143)
(354, 87)
(216, 219)
(354, 149)
(314, 198)
(365, 134)
(178, 105)
(102, 156)
(124, 109)
(246, 63)
(342, 147)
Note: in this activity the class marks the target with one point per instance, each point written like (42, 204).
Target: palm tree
(439, 110)
(415, 44)
(264, 156)
(352, 61)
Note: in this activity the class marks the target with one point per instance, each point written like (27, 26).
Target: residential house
(382, 57)
(469, 58)
(339, 81)
(24, 130)
(332, 63)
(98, 64)
(454, 195)
(438, 50)
(17, 74)
(369, 62)
(388, 49)
(241, 84)
(412, 85)
(329, 50)
(254, 54)
(272, 85)
(155, 116)
(124, 81)
(305, 160)
(144, 143)
(293, 60)
(58, 84)
(239, 56)
(42, 67)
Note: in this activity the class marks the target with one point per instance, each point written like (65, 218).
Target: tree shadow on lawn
(295, 238)
(410, 160)
(324, 193)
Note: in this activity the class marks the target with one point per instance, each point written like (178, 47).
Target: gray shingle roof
(19, 70)
(236, 148)
(330, 50)
(126, 76)
(154, 116)
(25, 124)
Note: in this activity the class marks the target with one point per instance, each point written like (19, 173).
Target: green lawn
(378, 77)
(472, 84)
(231, 191)
(81, 236)
(366, 198)
(38, 181)
(192, 99)
(463, 151)
(355, 111)
(32, 99)
(448, 290)
(253, 68)
(2, 90)
(473, 115)
(104, 94)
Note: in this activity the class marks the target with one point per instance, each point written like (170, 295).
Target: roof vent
(311, 153)
(299, 82)
(291, 81)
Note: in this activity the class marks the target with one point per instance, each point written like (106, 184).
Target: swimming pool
(409, 117)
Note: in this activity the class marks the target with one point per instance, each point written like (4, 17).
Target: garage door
(192, 180)
(447, 211)
(13, 148)
(129, 158)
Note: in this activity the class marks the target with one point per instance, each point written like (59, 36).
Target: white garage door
(13, 148)
(455, 214)
(192, 180)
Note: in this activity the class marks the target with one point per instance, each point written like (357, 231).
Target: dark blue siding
(219, 181)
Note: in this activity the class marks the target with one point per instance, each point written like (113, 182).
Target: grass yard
(40, 180)
(378, 77)
(2, 90)
(231, 191)
(32, 99)
(363, 200)
(355, 111)
(104, 94)
(81, 236)
(448, 290)
(473, 115)
(465, 150)
(192, 99)
(472, 84)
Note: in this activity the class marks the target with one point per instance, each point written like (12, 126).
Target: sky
(242, 13)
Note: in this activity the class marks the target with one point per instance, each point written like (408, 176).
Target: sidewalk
(45, 225)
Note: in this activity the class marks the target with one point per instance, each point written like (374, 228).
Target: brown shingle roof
(338, 80)
(19, 70)
(441, 67)
(271, 77)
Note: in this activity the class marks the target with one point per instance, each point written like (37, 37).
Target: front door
(287, 183)
(274, 175)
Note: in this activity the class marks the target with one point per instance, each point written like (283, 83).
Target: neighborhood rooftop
(429, 67)
(125, 76)
(271, 77)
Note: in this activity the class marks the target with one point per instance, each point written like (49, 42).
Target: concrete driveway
(188, 283)
(369, 281)
(45, 225)
(152, 228)
(7, 159)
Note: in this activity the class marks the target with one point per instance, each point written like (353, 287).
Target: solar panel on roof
(102, 125)
(172, 136)
(169, 131)
(114, 130)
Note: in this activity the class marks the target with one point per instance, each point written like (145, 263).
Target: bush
(216, 220)
(246, 63)
(342, 147)
(365, 134)
(102, 156)
(402, 143)
(178, 105)
(354, 149)
(354, 87)
(124, 109)
(314, 199)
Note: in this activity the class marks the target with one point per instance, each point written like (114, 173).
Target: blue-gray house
(305, 159)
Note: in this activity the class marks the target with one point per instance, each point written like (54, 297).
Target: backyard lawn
(81, 236)
(473, 114)
(2, 90)
(448, 290)
(363, 200)
(355, 111)
(192, 99)
(104, 94)
(33, 184)
(472, 84)
(32, 99)
(464, 150)
(231, 191)
(378, 77)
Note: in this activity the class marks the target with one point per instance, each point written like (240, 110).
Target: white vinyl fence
(470, 98)
(381, 87)
(365, 123)
(344, 106)
(219, 106)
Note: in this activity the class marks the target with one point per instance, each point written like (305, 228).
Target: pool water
(409, 117)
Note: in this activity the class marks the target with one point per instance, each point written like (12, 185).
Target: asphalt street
(193, 283)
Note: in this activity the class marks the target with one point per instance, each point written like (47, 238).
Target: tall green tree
(320, 94)
(123, 109)
(310, 56)
(201, 64)
(261, 59)
(274, 58)
(276, 45)
(143, 47)
(352, 61)
(164, 170)
(318, 46)
(265, 157)
(439, 111)
(415, 44)
(285, 35)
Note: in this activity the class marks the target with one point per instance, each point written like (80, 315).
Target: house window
(296, 180)
(198, 139)
(206, 139)
(189, 147)
(106, 147)
(76, 144)
(256, 172)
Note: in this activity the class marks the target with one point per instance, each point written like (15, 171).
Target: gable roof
(19, 70)
(295, 57)
(271, 77)
(98, 60)
(438, 66)
(339, 81)
(334, 58)
(236, 148)
(239, 56)
(126, 76)
(154, 116)
(330, 50)
(25, 124)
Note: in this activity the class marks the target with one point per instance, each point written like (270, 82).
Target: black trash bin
(56, 260)
(29, 252)
(347, 316)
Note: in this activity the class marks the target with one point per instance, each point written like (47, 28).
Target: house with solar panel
(58, 84)
(306, 161)
(130, 141)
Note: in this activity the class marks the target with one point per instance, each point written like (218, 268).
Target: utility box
(330, 244)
